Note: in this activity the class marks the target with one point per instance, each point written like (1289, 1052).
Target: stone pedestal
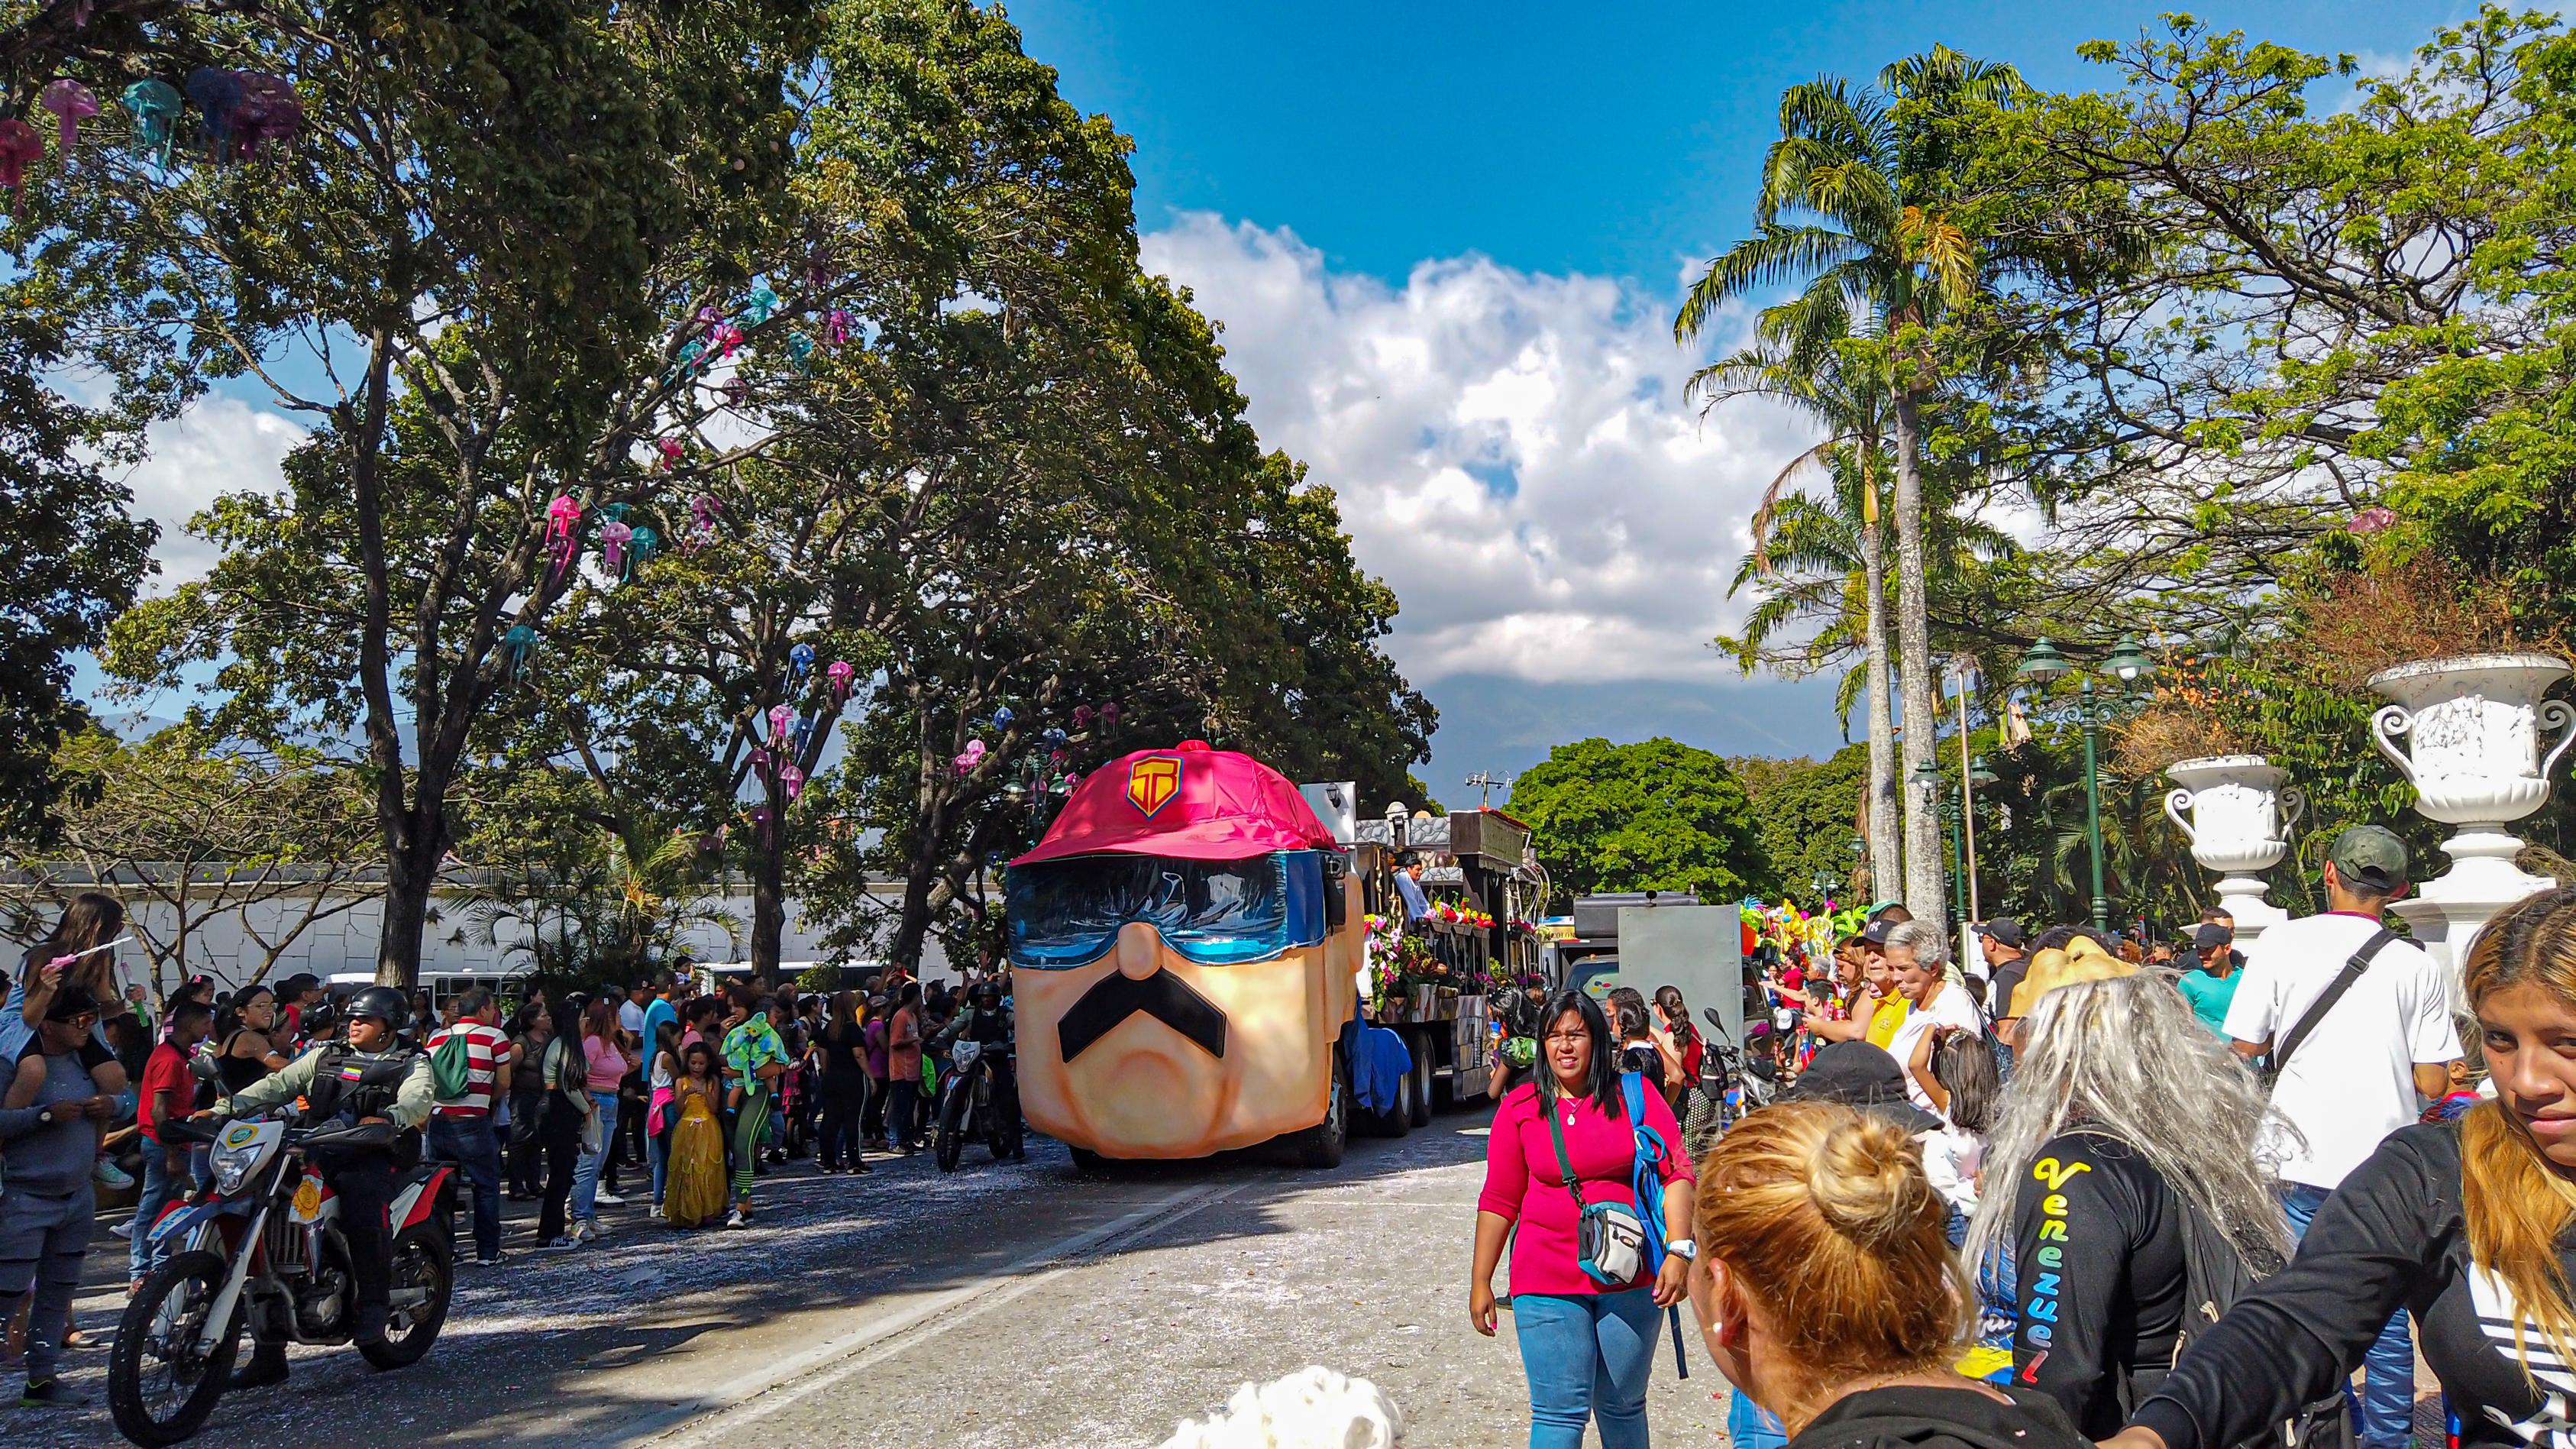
(2473, 730)
(2240, 822)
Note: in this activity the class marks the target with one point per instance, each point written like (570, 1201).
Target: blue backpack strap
(1645, 1177)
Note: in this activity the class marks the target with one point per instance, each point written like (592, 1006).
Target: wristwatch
(1687, 1250)
(44, 1116)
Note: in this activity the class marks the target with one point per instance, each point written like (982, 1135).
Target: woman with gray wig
(2123, 1124)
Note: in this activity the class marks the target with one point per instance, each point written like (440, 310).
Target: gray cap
(2370, 858)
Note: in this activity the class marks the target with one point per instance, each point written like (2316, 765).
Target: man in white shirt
(1919, 953)
(2358, 1072)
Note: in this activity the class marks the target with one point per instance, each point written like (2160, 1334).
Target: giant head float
(1184, 951)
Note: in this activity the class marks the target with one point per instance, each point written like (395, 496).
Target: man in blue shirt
(2211, 987)
(1408, 884)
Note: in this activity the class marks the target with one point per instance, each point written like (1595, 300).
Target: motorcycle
(262, 1243)
(967, 1107)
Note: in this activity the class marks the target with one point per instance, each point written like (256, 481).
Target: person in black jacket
(2124, 1117)
(2465, 1225)
(1828, 1294)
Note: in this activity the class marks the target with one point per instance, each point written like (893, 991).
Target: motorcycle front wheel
(160, 1387)
(424, 1264)
(952, 1135)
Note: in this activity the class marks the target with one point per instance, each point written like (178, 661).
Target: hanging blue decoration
(763, 302)
(155, 105)
(800, 662)
(1002, 718)
(640, 547)
(1054, 737)
(515, 648)
(804, 733)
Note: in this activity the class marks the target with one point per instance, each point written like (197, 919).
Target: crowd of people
(564, 1099)
(2180, 1198)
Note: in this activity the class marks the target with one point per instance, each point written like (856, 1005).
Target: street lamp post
(1978, 776)
(2128, 664)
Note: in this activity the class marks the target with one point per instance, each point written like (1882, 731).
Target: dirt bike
(262, 1243)
(967, 1105)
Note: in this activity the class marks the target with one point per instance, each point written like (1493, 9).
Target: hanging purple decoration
(1109, 714)
(612, 547)
(974, 756)
(218, 93)
(763, 821)
(708, 320)
(792, 781)
(704, 513)
(800, 663)
(836, 326)
(760, 761)
(839, 674)
(515, 648)
(779, 715)
(639, 548)
(736, 391)
(1082, 716)
(155, 104)
(269, 111)
(20, 143)
(71, 103)
(563, 524)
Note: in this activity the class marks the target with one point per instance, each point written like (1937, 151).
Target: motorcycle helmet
(988, 995)
(383, 1003)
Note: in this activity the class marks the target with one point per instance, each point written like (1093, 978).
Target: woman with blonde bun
(1829, 1296)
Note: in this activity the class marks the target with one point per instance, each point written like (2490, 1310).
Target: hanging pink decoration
(778, 717)
(71, 103)
(705, 512)
(1109, 714)
(762, 820)
(612, 547)
(671, 450)
(760, 759)
(792, 781)
(1082, 716)
(728, 337)
(736, 391)
(839, 675)
(836, 326)
(563, 541)
(269, 111)
(2371, 520)
(974, 756)
(20, 143)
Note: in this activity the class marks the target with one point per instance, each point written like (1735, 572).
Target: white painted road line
(776, 1385)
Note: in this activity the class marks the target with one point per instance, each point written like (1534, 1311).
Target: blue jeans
(475, 1148)
(1750, 1426)
(1587, 1356)
(159, 1190)
(2384, 1413)
(585, 1173)
(657, 1149)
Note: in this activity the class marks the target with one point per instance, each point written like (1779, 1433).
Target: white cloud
(1511, 451)
(219, 445)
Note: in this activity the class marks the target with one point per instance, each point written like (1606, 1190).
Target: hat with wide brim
(2053, 968)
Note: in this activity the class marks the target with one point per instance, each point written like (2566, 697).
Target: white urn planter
(2472, 730)
(2239, 825)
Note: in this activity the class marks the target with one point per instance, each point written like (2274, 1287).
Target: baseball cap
(1875, 933)
(2211, 936)
(2370, 857)
(72, 1002)
(2002, 933)
(1859, 1074)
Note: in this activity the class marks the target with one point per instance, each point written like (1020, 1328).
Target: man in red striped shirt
(460, 1129)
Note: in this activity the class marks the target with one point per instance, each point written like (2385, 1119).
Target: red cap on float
(1189, 801)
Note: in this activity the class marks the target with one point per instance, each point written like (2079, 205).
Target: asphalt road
(1005, 1305)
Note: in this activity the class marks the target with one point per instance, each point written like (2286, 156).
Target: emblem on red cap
(1152, 782)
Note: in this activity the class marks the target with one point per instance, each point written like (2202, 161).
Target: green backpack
(451, 1067)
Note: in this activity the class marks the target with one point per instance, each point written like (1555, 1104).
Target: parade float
(1186, 945)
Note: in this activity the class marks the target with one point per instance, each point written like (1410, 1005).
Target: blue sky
(1492, 211)
(1446, 246)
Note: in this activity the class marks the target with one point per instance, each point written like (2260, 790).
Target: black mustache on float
(1162, 996)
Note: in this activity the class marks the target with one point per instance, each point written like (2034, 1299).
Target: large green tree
(1655, 815)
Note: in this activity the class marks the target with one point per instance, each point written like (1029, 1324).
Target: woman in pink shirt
(1587, 1349)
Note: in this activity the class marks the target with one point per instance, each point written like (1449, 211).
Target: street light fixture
(1978, 774)
(2130, 665)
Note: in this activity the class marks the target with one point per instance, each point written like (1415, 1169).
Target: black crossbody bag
(2317, 1010)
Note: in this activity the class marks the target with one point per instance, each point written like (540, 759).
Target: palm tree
(1851, 403)
(1848, 213)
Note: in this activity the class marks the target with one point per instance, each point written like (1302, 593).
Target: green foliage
(1656, 815)
(1808, 812)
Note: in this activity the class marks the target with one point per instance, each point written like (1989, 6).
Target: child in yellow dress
(695, 1194)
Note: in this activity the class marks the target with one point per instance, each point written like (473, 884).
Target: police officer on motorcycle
(374, 1078)
(987, 1021)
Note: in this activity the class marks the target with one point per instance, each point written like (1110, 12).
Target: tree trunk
(1925, 887)
(1885, 875)
(410, 875)
(768, 899)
